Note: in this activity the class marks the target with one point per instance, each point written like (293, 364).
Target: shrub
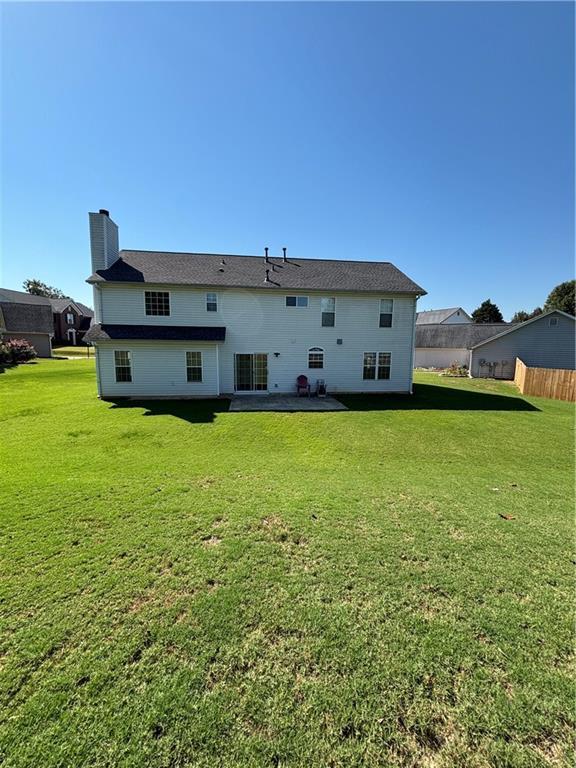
(19, 351)
(456, 369)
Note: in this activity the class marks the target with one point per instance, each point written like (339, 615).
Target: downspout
(412, 349)
(217, 372)
(97, 356)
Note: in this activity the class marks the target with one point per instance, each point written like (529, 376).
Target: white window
(386, 312)
(69, 318)
(211, 302)
(157, 302)
(123, 365)
(328, 307)
(194, 366)
(297, 301)
(376, 365)
(315, 357)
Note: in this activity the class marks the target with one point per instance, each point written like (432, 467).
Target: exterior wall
(61, 327)
(456, 318)
(537, 344)
(440, 357)
(158, 369)
(259, 322)
(41, 342)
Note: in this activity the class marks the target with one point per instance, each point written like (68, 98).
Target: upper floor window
(157, 302)
(328, 307)
(386, 311)
(69, 318)
(376, 365)
(315, 357)
(123, 365)
(296, 301)
(553, 321)
(211, 302)
(193, 366)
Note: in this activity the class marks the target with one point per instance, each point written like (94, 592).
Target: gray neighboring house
(24, 316)
(438, 345)
(450, 316)
(545, 341)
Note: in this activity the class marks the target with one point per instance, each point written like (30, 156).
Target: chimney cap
(104, 212)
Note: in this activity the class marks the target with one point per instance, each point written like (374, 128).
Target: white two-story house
(202, 325)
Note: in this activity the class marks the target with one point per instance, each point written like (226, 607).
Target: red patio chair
(302, 386)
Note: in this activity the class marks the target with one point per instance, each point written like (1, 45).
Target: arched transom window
(315, 357)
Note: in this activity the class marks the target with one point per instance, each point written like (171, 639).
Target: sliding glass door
(251, 373)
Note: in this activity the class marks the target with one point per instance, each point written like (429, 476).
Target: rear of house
(545, 341)
(197, 325)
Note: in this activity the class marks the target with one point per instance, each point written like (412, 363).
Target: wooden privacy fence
(557, 383)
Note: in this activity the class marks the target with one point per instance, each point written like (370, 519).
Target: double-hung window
(328, 307)
(297, 301)
(315, 357)
(386, 312)
(376, 365)
(69, 318)
(157, 302)
(194, 366)
(211, 302)
(123, 365)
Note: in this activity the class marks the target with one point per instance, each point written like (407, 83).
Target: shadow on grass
(428, 397)
(192, 411)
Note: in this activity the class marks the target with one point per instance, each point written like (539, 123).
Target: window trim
(169, 303)
(70, 315)
(377, 365)
(380, 313)
(323, 312)
(553, 322)
(217, 302)
(129, 366)
(296, 306)
(315, 351)
(201, 366)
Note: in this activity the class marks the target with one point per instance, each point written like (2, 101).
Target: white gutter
(412, 350)
(217, 371)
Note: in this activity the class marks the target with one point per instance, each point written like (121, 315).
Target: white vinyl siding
(259, 321)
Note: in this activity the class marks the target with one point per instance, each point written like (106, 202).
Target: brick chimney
(103, 240)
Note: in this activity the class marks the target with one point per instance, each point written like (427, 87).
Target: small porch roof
(113, 332)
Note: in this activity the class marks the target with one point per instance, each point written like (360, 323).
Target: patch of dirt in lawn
(211, 541)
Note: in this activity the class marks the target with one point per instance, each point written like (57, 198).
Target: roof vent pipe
(284, 254)
(266, 255)
(267, 278)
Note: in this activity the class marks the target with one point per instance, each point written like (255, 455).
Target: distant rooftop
(430, 316)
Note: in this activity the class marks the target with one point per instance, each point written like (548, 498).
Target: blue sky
(438, 136)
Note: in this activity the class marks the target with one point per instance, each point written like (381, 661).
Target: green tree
(38, 288)
(487, 312)
(562, 297)
(521, 316)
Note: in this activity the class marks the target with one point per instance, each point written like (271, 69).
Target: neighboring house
(545, 341)
(451, 316)
(440, 345)
(192, 324)
(25, 316)
(71, 320)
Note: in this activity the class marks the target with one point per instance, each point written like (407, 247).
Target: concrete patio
(284, 403)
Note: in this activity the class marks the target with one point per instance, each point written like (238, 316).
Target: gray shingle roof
(108, 332)
(27, 318)
(21, 297)
(429, 316)
(60, 305)
(209, 269)
(457, 336)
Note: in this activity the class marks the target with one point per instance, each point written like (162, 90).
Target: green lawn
(183, 586)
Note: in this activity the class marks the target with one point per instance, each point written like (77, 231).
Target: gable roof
(516, 326)
(231, 271)
(60, 305)
(21, 297)
(456, 335)
(429, 316)
(110, 332)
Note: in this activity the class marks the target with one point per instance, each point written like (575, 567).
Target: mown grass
(183, 586)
